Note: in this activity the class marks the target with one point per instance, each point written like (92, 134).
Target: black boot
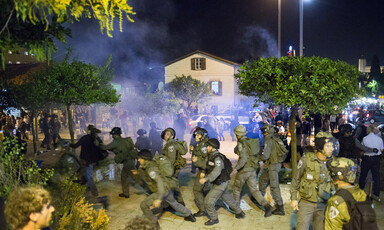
(190, 218)
(268, 210)
(279, 210)
(211, 222)
(241, 215)
(199, 214)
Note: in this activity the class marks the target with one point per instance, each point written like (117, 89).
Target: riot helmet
(203, 132)
(266, 129)
(343, 169)
(116, 131)
(240, 130)
(214, 143)
(173, 132)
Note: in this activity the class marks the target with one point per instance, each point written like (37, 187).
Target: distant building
(366, 69)
(216, 71)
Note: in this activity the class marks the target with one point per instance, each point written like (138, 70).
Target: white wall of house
(216, 70)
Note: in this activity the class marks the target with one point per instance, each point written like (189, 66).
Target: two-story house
(216, 71)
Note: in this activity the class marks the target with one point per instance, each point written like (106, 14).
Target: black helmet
(203, 132)
(342, 169)
(170, 130)
(346, 128)
(214, 143)
(145, 154)
(141, 132)
(116, 130)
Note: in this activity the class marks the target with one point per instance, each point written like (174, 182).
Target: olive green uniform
(312, 182)
(270, 174)
(217, 190)
(124, 153)
(246, 173)
(162, 188)
(67, 166)
(170, 151)
(336, 214)
(200, 151)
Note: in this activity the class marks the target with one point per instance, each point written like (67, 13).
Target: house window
(216, 88)
(198, 64)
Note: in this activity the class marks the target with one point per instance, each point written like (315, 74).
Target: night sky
(236, 30)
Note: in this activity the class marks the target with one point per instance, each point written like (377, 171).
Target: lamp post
(279, 29)
(301, 27)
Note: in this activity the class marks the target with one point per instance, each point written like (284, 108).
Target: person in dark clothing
(89, 155)
(142, 142)
(305, 131)
(180, 126)
(317, 123)
(279, 117)
(361, 130)
(54, 126)
(155, 138)
(45, 128)
(232, 126)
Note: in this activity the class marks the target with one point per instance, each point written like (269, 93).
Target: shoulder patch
(152, 174)
(218, 162)
(333, 212)
(171, 148)
(299, 164)
(240, 147)
(204, 150)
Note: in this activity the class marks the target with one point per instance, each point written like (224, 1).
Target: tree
(188, 90)
(77, 83)
(34, 25)
(317, 84)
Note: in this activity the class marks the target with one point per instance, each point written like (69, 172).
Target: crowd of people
(328, 174)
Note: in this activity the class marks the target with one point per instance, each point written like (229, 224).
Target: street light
(279, 29)
(301, 6)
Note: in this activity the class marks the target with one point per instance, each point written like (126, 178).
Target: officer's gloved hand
(375, 150)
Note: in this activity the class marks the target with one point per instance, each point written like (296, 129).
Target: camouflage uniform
(214, 169)
(312, 181)
(336, 214)
(170, 151)
(126, 154)
(162, 188)
(200, 151)
(270, 174)
(67, 166)
(246, 173)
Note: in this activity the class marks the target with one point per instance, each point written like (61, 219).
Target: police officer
(246, 171)
(124, 153)
(142, 141)
(215, 174)
(343, 173)
(312, 181)
(270, 174)
(162, 188)
(199, 160)
(171, 152)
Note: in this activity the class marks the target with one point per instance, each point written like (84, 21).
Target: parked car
(193, 121)
(374, 115)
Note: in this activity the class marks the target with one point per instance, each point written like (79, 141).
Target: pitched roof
(204, 53)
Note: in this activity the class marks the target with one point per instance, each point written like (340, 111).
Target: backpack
(253, 145)
(363, 216)
(182, 149)
(165, 166)
(226, 171)
(282, 149)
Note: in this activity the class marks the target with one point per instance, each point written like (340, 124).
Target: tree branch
(6, 23)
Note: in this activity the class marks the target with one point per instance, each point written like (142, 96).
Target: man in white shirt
(371, 160)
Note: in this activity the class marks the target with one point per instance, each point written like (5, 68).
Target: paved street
(122, 210)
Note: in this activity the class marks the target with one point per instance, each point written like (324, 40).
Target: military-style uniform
(215, 165)
(312, 182)
(336, 214)
(68, 165)
(124, 153)
(170, 151)
(270, 175)
(246, 173)
(200, 151)
(162, 188)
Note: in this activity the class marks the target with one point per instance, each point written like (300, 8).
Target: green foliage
(188, 89)
(314, 83)
(15, 170)
(65, 196)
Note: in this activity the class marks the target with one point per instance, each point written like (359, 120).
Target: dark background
(236, 30)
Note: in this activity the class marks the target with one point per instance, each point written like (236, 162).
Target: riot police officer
(312, 181)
